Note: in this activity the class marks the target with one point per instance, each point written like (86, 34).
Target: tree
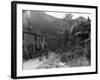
(68, 17)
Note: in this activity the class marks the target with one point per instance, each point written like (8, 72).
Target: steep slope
(44, 23)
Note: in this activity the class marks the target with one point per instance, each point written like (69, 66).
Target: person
(46, 50)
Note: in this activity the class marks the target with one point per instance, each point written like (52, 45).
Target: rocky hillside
(44, 23)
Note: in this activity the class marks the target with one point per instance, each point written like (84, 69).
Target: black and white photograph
(56, 39)
(53, 39)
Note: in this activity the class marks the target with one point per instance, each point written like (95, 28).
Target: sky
(62, 15)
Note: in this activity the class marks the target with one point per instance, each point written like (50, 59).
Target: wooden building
(34, 43)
